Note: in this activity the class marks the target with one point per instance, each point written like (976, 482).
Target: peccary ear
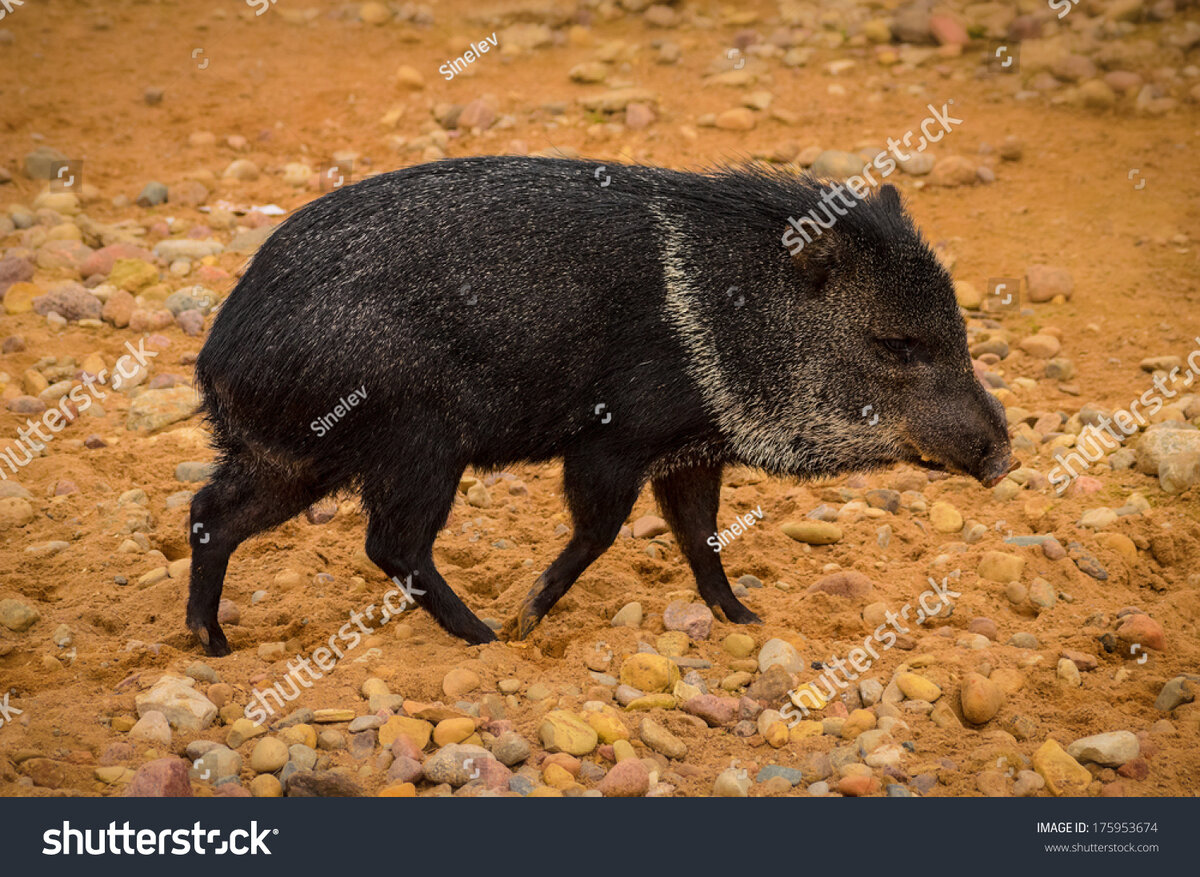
(889, 198)
(817, 259)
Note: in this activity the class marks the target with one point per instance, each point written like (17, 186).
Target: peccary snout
(965, 433)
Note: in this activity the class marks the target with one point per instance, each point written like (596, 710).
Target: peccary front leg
(243, 497)
(405, 515)
(688, 499)
(600, 493)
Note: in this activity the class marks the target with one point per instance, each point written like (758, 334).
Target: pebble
(161, 778)
(1068, 672)
(918, 687)
(1111, 749)
(153, 728)
(945, 518)
(269, 755)
(649, 673)
(661, 740)
(563, 731)
(812, 532)
(152, 195)
(510, 748)
(626, 779)
(1064, 776)
(1143, 630)
(778, 652)
(981, 698)
(322, 784)
(629, 615)
(15, 615)
(1176, 692)
(694, 619)
(456, 764)
(459, 682)
(998, 566)
(1045, 282)
(732, 783)
(848, 583)
(185, 708)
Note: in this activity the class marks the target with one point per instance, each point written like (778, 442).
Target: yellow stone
(399, 790)
(945, 518)
(808, 696)
(416, 730)
(242, 730)
(804, 730)
(113, 774)
(1121, 544)
(777, 735)
(918, 687)
(649, 673)
(123, 724)
(453, 731)
(944, 717)
(557, 777)
(374, 13)
(812, 532)
(133, 274)
(544, 792)
(624, 750)
(608, 727)
(739, 645)
(999, 566)
(857, 722)
(562, 731)
(19, 297)
(302, 733)
(373, 686)
(266, 785)
(325, 717)
(652, 702)
(1064, 776)
(672, 644)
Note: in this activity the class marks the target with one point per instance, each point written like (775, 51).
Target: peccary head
(850, 354)
(905, 378)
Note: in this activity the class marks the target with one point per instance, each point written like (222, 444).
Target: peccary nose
(996, 467)
(997, 461)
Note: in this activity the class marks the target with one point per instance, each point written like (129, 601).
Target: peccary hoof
(212, 639)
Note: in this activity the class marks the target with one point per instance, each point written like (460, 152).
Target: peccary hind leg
(599, 493)
(242, 498)
(688, 499)
(405, 515)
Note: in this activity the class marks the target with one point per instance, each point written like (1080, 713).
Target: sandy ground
(315, 85)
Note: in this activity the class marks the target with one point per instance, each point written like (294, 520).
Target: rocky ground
(149, 149)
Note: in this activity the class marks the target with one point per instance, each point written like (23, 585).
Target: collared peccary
(647, 326)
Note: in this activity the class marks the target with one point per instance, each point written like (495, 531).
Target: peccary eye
(907, 349)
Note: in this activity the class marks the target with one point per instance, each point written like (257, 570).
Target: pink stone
(626, 779)
(694, 619)
(161, 778)
(947, 31)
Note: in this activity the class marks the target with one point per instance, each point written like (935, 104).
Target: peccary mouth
(989, 474)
